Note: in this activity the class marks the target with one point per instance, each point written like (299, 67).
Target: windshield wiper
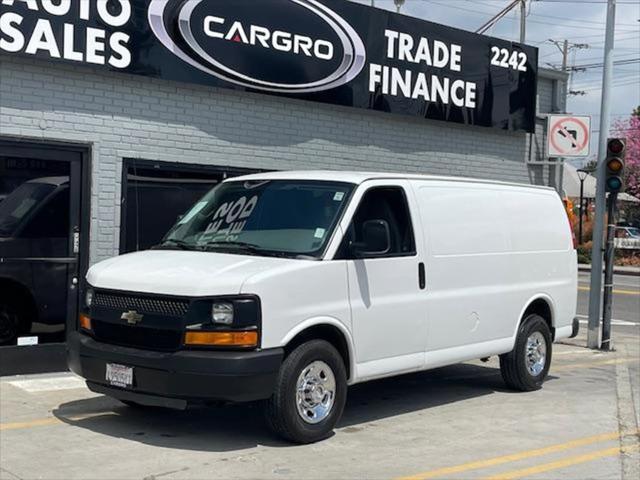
(255, 249)
(170, 243)
(232, 244)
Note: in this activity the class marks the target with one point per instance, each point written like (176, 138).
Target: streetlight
(582, 175)
(399, 4)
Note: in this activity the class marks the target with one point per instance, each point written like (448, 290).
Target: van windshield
(290, 218)
(17, 206)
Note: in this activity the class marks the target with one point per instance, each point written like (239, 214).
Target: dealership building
(128, 124)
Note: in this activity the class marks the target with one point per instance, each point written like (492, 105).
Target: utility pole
(565, 47)
(523, 20)
(593, 335)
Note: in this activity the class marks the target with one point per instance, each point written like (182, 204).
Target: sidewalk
(583, 267)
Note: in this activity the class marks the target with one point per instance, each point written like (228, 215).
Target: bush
(627, 258)
(584, 253)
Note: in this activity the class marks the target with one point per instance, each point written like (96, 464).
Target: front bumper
(177, 378)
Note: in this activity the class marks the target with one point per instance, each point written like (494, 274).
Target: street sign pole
(593, 340)
(609, 256)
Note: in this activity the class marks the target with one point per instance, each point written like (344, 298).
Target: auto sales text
(91, 45)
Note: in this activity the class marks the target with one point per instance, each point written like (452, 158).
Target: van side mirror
(376, 239)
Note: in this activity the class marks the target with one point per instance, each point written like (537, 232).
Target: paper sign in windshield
(230, 219)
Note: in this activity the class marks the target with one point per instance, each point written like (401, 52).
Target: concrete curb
(627, 419)
(633, 271)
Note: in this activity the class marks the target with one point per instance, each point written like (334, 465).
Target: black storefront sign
(331, 51)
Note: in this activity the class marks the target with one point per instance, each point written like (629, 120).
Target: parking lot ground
(455, 422)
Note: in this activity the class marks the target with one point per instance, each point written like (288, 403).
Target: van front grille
(153, 305)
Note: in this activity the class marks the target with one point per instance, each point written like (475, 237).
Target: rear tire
(310, 393)
(527, 365)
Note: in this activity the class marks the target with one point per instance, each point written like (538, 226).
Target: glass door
(40, 202)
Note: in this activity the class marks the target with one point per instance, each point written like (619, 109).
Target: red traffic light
(615, 146)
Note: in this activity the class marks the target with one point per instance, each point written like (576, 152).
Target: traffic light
(614, 164)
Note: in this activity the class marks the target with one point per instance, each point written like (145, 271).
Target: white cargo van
(287, 287)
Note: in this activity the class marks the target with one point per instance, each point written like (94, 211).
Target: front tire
(310, 393)
(527, 365)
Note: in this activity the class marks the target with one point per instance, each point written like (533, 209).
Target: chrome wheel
(536, 353)
(315, 392)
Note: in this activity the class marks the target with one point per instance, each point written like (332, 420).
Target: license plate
(119, 375)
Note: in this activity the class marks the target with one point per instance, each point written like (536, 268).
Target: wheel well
(323, 332)
(541, 307)
(20, 294)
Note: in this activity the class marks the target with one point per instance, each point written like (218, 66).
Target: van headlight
(88, 297)
(233, 321)
(222, 313)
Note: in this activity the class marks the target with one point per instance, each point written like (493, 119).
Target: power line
(511, 6)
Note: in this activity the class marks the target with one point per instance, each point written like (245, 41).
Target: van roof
(360, 177)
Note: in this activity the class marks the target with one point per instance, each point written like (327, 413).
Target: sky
(580, 22)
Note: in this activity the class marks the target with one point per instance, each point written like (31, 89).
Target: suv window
(383, 203)
(52, 219)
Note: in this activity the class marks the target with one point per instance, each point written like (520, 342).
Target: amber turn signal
(222, 339)
(85, 322)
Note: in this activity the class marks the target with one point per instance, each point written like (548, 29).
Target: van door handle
(422, 276)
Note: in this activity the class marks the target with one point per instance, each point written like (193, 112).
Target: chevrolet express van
(287, 287)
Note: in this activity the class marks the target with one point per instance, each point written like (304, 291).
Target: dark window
(383, 203)
(16, 208)
(52, 219)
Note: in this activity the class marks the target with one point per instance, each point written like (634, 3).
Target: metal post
(581, 204)
(523, 20)
(598, 226)
(609, 256)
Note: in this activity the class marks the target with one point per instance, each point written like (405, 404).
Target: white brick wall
(122, 116)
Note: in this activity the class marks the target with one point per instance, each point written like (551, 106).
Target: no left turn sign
(568, 135)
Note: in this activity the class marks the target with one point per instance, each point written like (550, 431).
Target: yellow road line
(616, 291)
(40, 422)
(563, 463)
(44, 422)
(491, 462)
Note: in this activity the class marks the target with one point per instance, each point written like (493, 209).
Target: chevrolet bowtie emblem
(132, 317)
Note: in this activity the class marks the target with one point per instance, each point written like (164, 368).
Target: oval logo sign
(285, 46)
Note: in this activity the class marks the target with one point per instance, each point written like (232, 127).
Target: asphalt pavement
(456, 422)
(626, 299)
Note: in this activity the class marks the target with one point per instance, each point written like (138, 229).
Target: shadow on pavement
(237, 427)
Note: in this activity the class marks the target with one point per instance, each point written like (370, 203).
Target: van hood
(180, 273)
